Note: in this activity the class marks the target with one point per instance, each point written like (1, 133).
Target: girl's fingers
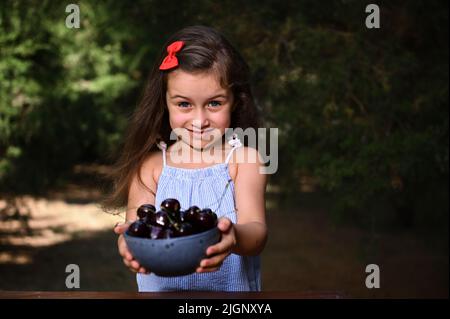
(224, 224)
(128, 256)
(135, 264)
(128, 260)
(127, 263)
(123, 249)
(134, 267)
(121, 228)
(207, 269)
(224, 245)
(215, 261)
(144, 271)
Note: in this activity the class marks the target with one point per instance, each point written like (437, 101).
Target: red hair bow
(171, 60)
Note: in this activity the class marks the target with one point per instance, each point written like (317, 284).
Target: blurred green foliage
(365, 111)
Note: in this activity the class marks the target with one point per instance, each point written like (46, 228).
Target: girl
(199, 87)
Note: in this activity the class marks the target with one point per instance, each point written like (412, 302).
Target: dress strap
(163, 146)
(235, 142)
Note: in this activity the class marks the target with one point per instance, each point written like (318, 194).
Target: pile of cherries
(170, 221)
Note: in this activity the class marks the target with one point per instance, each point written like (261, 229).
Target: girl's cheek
(223, 120)
(178, 120)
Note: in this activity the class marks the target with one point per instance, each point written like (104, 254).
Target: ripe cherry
(184, 229)
(171, 205)
(169, 233)
(157, 232)
(145, 210)
(190, 215)
(150, 219)
(205, 221)
(138, 229)
(162, 219)
(170, 221)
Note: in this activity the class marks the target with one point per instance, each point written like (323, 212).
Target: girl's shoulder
(248, 162)
(246, 155)
(153, 164)
(250, 179)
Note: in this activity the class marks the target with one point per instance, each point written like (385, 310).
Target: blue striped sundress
(203, 187)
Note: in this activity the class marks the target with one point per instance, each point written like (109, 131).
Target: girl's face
(199, 108)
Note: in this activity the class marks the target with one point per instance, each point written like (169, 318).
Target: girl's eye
(215, 103)
(212, 104)
(183, 104)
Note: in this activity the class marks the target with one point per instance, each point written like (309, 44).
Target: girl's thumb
(121, 227)
(224, 224)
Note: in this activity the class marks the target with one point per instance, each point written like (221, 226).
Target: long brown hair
(204, 50)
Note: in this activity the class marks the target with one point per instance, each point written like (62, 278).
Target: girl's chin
(200, 141)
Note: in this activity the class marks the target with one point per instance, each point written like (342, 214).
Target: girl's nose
(200, 120)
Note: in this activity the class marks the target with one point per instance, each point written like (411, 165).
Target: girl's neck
(182, 154)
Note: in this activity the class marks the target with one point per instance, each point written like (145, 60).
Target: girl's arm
(250, 187)
(249, 235)
(142, 194)
(138, 195)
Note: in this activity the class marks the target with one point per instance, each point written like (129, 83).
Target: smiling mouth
(200, 132)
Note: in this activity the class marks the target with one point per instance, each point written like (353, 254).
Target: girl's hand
(217, 253)
(128, 259)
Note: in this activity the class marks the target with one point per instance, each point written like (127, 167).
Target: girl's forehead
(181, 82)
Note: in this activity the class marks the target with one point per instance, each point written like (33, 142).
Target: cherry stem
(172, 222)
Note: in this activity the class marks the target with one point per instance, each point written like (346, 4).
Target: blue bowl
(173, 256)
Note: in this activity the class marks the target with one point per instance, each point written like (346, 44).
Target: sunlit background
(363, 146)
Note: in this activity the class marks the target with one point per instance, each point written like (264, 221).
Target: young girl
(198, 88)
